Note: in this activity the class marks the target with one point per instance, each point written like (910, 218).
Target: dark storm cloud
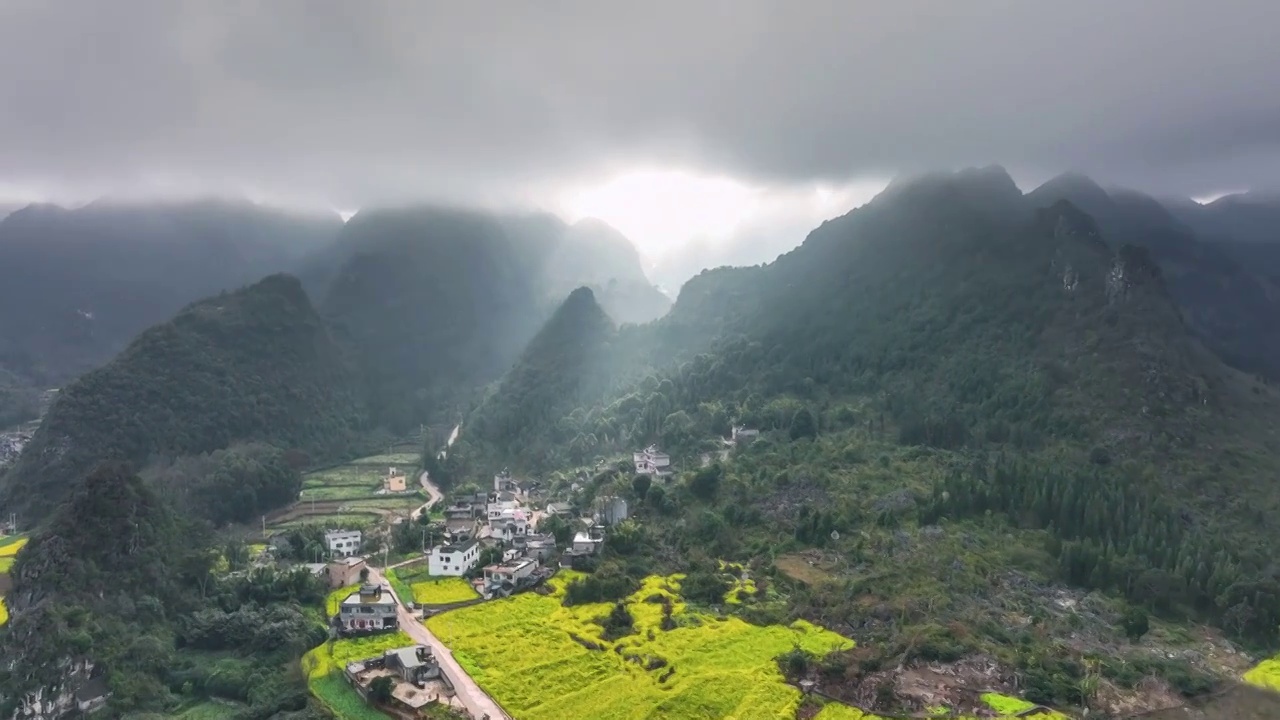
(346, 102)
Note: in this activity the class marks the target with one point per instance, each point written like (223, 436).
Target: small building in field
(456, 560)
(345, 571)
(342, 543)
(652, 461)
(395, 481)
(369, 609)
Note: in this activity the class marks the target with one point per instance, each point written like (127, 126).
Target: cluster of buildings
(501, 519)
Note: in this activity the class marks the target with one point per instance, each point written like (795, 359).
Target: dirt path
(475, 700)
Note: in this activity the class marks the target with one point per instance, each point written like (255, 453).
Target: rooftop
(350, 561)
(367, 596)
(408, 656)
(461, 547)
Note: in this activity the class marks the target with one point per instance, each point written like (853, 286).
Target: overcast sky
(344, 104)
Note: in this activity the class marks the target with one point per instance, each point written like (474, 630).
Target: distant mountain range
(77, 285)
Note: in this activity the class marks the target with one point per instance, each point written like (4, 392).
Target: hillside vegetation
(972, 404)
(255, 364)
(153, 608)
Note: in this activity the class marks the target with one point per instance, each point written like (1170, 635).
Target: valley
(965, 452)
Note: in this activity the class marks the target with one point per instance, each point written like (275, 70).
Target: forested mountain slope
(436, 302)
(563, 367)
(254, 364)
(1043, 371)
(1228, 293)
(76, 286)
(122, 587)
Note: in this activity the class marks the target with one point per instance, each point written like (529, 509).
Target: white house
(588, 542)
(342, 543)
(369, 609)
(453, 559)
(745, 435)
(510, 571)
(508, 523)
(651, 461)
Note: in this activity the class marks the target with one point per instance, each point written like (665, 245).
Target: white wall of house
(343, 543)
(453, 560)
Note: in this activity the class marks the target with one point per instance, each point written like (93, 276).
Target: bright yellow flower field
(442, 591)
(521, 650)
(1266, 674)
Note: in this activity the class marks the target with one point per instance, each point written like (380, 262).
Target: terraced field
(349, 495)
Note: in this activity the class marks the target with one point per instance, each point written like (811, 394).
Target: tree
(803, 425)
(380, 689)
(706, 481)
(1135, 623)
(640, 485)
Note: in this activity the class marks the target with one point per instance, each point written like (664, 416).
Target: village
(495, 542)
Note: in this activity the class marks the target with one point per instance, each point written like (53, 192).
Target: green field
(345, 519)
(360, 478)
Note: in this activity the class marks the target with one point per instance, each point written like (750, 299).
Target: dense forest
(119, 577)
(255, 364)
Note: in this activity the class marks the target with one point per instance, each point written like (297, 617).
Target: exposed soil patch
(808, 567)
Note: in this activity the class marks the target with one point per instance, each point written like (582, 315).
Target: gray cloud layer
(353, 102)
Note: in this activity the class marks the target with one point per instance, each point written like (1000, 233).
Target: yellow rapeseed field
(11, 545)
(1266, 674)
(442, 591)
(523, 651)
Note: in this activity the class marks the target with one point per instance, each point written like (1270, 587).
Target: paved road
(468, 692)
(433, 493)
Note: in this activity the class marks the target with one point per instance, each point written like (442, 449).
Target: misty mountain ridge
(437, 301)
(76, 285)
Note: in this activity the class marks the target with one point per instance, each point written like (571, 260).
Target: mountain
(76, 285)
(254, 364)
(436, 302)
(559, 370)
(973, 402)
(1230, 298)
(119, 589)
